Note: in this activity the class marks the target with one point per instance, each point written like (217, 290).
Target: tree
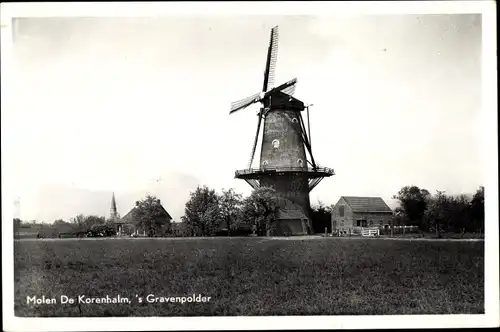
(321, 216)
(477, 210)
(105, 230)
(230, 204)
(152, 217)
(93, 220)
(79, 222)
(179, 229)
(442, 213)
(400, 218)
(414, 203)
(60, 222)
(202, 213)
(84, 223)
(437, 215)
(448, 213)
(261, 210)
(460, 214)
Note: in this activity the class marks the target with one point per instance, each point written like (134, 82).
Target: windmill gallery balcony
(253, 175)
(310, 172)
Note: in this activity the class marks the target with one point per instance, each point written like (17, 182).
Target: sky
(141, 105)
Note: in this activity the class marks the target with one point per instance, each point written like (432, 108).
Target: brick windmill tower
(286, 160)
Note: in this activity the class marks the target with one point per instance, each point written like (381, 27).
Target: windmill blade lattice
(272, 56)
(268, 87)
(290, 90)
(283, 86)
(243, 103)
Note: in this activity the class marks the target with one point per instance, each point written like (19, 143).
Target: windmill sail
(272, 55)
(289, 84)
(255, 141)
(243, 103)
(289, 90)
(268, 87)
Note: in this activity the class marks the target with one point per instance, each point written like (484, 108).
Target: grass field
(252, 276)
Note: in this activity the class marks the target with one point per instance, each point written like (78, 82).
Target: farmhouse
(351, 213)
(128, 225)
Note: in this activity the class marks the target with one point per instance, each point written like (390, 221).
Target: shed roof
(290, 210)
(367, 204)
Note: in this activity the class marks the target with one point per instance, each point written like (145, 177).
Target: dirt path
(291, 238)
(410, 239)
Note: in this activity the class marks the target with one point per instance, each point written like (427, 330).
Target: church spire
(113, 212)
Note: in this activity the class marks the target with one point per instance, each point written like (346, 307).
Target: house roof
(366, 204)
(129, 217)
(289, 210)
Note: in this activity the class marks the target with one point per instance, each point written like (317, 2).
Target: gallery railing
(324, 170)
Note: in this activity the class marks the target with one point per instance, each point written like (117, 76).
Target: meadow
(251, 276)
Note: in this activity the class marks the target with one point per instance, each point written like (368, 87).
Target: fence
(400, 230)
(370, 232)
(375, 231)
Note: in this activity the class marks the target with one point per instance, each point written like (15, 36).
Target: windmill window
(265, 163)
(300, 162)
(294, 120)
(276, 143)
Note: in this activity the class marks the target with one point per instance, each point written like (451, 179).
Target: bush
(104, 230)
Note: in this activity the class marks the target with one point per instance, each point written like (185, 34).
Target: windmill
(284, 164)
